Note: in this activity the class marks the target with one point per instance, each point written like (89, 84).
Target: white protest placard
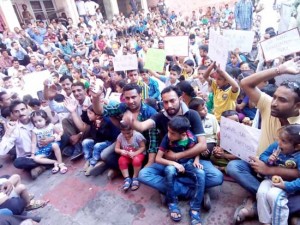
(286, 77)
(241, 39)
(34, 82)
(125, 62)
(177, 45)
(239, 139)
(218, 48)
(281, 45)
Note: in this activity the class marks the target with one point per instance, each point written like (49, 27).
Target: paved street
(79, 200)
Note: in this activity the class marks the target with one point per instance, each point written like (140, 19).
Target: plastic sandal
(240, 217)
(135, 184)
(173, 208)
(35, 204)
(63, 168)
(195, 217)
(127, 184)
(55, 168)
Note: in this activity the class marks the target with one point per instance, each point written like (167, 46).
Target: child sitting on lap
(179, 139)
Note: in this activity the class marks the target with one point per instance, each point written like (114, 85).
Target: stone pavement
(79, 200)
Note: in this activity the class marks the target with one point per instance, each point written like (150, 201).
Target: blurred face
(173, 135)
(284, 143)
(66, 86)
(6, 100)
(145, 77)
(245, 66)
(202, 110)
(21, 113)
(132, 99)
(173, 76)
(75, 74)
(200, 75)
(39, 122)
(283, 103)
(233, 59)
(171, 103)
(127, 134)
(133, 77)
(8, 84)
(220, 81)
(79, 93)
(91, 115)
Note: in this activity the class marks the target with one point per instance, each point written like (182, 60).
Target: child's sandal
(63, 168)
(135, 184)
(127, 184)
(55, 168)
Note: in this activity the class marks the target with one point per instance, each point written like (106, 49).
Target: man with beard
(153, 175)
(133, 104)
(18, 134)
(282, 109)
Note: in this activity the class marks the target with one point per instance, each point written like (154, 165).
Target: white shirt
(90, 7)
(81, 8)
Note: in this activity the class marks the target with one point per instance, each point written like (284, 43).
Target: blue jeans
(153, 176)
(92, 151)
(244, 175)
(195, 174)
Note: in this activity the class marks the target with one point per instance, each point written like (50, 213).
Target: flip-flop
(35, 204)
(135, 184)
(173, 208)
(63, 168)
(55, 168)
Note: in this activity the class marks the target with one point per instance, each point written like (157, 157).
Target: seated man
(18, 134)
(153, 175)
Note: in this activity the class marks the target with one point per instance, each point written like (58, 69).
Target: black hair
(152, 102)
(294, 86)
(204, 48)
(27, 99)
(6, 78)
(121, 73)
(187, 88)
(121, 83)
(34, 102)
(196, 103)
(269, 89)
(66, 77)
(5, 112)
(42, 114)
(228, 113)
(55, 74)
(202, 67)
(15, 103)
(1, 94)
(176, 68)
(124, 126)
(132, 86)
(95, 60)
(293, 133)
(171, 88)
(143, 71)
(179, 124)
(78, 83)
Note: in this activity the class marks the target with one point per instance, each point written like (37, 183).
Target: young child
(178, 139)
(18, 199)
(102, 134)
(210, 125)
(225, 90)
(220, 157)
(43, 129)
(272, 194)
(130, 145)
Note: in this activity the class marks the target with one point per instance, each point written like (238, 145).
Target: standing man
(282, 109)
(243, 14)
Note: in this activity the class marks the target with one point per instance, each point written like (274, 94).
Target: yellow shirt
(269, 124)
(223, 99)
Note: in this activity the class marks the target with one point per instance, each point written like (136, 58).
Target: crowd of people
(159, 129)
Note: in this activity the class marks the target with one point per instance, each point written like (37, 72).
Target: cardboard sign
(125, 62)
(240, 39)
(218, 48)
(177, 45)
(281, 45)
(34, 82)
(155, 60)
(239, 139)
